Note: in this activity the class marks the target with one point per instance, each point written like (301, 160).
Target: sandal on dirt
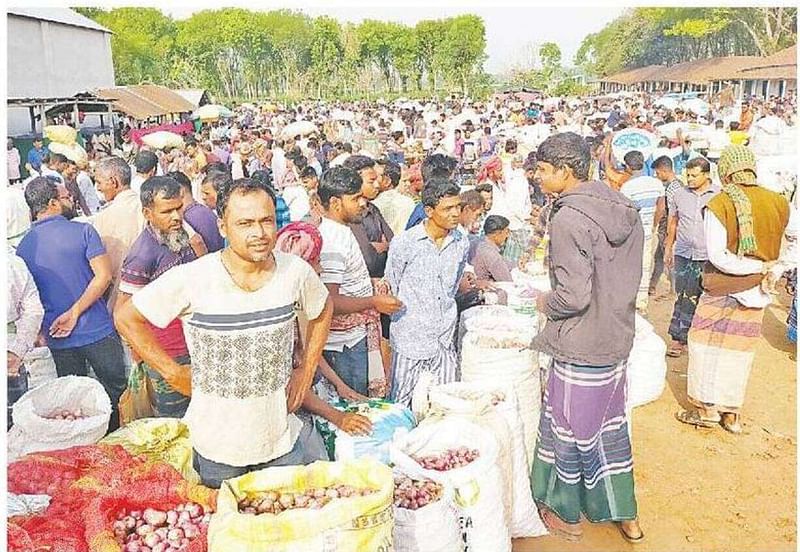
(732, 427)
(628, 537)
(551, 521)
(692, 417)
(676, 350)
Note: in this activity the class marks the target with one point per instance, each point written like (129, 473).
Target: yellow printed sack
(362, 523)
(61, 134)
(161, 439)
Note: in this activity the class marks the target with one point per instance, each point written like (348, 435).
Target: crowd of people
(294, 255)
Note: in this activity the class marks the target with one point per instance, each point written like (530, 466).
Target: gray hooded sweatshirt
(596, 241)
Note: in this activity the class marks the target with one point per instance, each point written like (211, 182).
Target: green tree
(550, 54)
(462, 51)
(327, 51)
(142, 45)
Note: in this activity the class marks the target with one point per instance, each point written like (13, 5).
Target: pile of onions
(448, 460)
(275, 502)
(413, 494)
(154, 530)
(70, 415)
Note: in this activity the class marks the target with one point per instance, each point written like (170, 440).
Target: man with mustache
(239, 308)
(162, 245)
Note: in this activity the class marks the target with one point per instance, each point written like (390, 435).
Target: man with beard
(72, 271)
(162, 245)
(239, 306)
(353, 346)
(425, 268)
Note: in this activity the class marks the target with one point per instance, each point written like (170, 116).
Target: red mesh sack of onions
(52, 472)
(52, 532)
(155, 513)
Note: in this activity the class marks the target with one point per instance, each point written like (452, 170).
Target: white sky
(511, 32)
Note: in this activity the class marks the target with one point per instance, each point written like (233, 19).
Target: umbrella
(300, 128)
(212, 112)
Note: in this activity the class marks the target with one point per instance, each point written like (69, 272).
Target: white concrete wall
(47, 59)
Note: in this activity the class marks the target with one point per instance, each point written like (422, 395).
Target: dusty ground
(705, 489)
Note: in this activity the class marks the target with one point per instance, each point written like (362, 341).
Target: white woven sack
(70, 392)
(475, 400)
(647, 369)
(432, 528)
(40, 366)
(476, 487)
(529, 401)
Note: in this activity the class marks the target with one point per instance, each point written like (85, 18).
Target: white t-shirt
(296, 198)
(514, 202)
(343, 264)
(241, 346)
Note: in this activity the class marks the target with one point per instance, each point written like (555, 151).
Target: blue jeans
(351, 365)
(308, 448)
(168, 402)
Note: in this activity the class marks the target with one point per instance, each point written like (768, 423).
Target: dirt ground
(706, 489)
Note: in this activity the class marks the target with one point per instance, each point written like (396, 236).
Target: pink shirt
(13, 164)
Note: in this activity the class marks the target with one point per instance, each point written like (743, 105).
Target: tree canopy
(242, 54)
(646, 36)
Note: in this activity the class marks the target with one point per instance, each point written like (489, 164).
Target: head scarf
(491, 164)
(301, 239)
(737, 165)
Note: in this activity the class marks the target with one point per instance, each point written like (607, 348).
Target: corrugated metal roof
(192, 95)
(700, 71)
(145, 100)
(65, 16)
(640, 74)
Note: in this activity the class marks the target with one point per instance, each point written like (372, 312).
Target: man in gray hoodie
(583, 463)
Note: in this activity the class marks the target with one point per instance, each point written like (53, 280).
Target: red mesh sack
(17, 538)
(51, 533)
(155, 485)
(52, 472)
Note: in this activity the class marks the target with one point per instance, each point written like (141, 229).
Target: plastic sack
(73, 152)
(52, 533)
(502, 358)
(355, 523)
(70, 392)
(495, 408)
(137, 400)
(26, 505)
(647, 365)
(40, 366)
(61, 134)
(159, 439)
(476, 487)
(163, 139)
(432, 528)
(386, 417)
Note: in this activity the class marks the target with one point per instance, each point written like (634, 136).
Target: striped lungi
(791, 330)
(722, 344)
(406, 372)
(583, 462)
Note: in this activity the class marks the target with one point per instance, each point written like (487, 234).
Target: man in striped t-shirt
(647, 193)
(349, 350)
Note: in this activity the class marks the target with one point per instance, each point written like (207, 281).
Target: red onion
(414, 494)
(448, 460)
(273, 502)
